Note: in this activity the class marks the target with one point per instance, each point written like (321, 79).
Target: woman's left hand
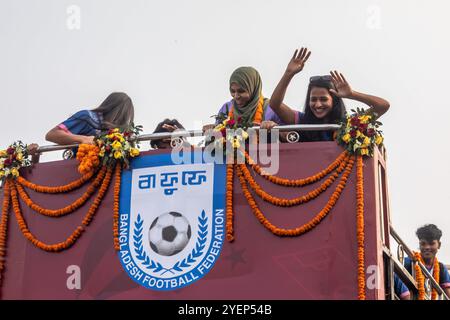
(343, 89)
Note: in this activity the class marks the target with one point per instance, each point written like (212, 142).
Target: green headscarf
(250, 80)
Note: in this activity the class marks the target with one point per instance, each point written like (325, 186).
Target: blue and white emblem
(172, 221)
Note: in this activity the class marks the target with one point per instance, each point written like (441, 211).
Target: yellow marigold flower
(2, 173)
(365, 118)
(364, 151)
(115, 130)
(358, 133)
(116, 145)
(15, 172)
(378, 140)
(346, 137)
(19, 156)
(236, 143)
(102, 153)
(110, 136)
(117, 154)
(134, 152)
(3, 153)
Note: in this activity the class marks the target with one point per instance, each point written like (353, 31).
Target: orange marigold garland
(436, 273)
(229, 203)
(57, 189)
(4, 226)
(420, 278)
(88, 156)
(78, 231)
(307, 226)
(67, 209)
(117, 180)
(360, 227)
(297, 182)
(282, 202)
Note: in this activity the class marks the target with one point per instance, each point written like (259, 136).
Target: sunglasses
(320, 78)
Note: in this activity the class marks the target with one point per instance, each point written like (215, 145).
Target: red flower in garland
(355, 121)
(353, 133)
(10, 150)
(231, 122)
(7, 162)
(370, 132)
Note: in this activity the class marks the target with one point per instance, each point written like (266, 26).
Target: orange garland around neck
(258, 114)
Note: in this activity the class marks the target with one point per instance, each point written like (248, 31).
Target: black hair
(159, 128)
(337, 113)
(429, 232)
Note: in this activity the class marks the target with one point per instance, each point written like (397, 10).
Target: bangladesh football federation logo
(172, 221)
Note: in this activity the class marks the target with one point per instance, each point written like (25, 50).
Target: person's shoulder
(226, 107)
(84, 114)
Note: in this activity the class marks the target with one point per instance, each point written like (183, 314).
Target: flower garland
(360, 227)
(297, 182)
(282, 202)
(57, 189)
(420, 277)
(4, 226)
(67, 209)
(229, 203)
(258, 117)
(360, 133)
(307, 226)
(436, 274)
(12, 159)
(88, 156)
(118, 145)
(75, 234)
(117, 176)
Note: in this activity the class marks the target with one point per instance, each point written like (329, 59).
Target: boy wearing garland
(429, 243)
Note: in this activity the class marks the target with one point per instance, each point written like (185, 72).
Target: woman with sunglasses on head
(324, 100)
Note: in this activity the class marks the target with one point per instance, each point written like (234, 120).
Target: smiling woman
(324, 99)
(248, 103)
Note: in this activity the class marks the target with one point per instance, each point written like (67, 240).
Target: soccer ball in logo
(169, 233)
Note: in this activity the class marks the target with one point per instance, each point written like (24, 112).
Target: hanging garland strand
(283, 202)
(57, 189)
(229, 202)
(360, 227)
(4, 226)
(67, 209)
(420, 278)
(78, 231)
(117, 180)
(296, 182)
(306, 227)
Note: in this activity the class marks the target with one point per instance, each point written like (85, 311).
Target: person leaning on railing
(248, 103)
(324, 100)
(116, 111)
(429, 243)
(167, 125)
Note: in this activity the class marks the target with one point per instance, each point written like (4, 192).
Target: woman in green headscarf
(248, 104)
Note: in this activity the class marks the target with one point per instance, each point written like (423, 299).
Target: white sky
(174, 59)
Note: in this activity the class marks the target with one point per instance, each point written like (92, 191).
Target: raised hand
(343, 89)
(298, 61)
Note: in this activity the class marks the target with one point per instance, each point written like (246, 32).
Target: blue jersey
(84, 122)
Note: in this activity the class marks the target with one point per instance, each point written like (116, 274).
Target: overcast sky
(174, 59)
